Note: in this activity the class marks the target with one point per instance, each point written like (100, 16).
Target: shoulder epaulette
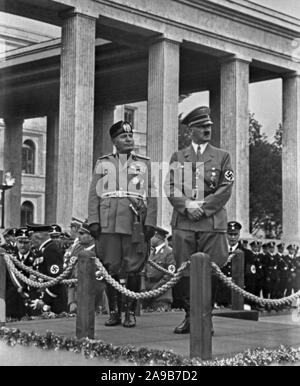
(105, 156)
(142, 156)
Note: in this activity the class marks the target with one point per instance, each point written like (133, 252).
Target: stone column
(104, 119)
(291, 159)
(76, 117)
(235, 135)
(215, 109)
(162, 121)
(13, 140)
(51, 168)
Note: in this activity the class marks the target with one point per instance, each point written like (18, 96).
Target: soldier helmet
(199, 116)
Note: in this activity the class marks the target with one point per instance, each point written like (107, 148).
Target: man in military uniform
(9, 236)
(199, 219)
(272, 274)
(86, 247)
(122, 214)
(282, 268)
(255, 246)
(291, 263)
(162, 255)
(18, 294)
(49, 262)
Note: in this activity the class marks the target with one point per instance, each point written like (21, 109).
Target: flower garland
(143, 356)
(43, 315)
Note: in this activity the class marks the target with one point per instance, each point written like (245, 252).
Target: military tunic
(119, 197)
(208, 234)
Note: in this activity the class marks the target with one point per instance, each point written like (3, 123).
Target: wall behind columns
(235, 135)
(291, 159)
(162, 115)
(13, 139)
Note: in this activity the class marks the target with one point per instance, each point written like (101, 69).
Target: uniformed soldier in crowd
(199, 224)
(255, 246)
(291, 263)
(9, 236)
(49, 262)
(162, 255)
(282, 268)
(122, 216)
(223, 297)
(86, 246)
(263, 263)
(19, 294)
(75, 225)
(272, 276)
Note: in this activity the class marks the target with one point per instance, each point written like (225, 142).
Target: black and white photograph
(149, 186)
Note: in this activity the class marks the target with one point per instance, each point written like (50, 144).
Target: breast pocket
(104, 212)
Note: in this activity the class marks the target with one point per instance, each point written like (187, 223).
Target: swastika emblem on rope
(54, 269)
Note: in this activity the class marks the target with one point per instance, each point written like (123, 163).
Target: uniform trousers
(118, 254)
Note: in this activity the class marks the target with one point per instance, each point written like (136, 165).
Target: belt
(121, 194)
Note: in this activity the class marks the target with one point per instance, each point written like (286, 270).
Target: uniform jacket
(114, 213)
(218, 181)
(164, 257)
(50, 263)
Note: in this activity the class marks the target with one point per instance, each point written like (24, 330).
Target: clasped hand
(195, 210)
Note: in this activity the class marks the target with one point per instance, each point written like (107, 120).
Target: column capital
(291, 75)
(163, 38)
(79, 12)
(235, 58)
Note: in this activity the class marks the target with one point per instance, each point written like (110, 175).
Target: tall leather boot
(133, 284)
(114, 301)
(183, 290)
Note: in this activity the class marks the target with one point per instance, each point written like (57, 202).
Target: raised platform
(155, 330)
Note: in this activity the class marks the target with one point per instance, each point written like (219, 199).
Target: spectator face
(156, 240)
(233, 238)
(23, 245)
(74, 231)
(255, 248)
(271, 249)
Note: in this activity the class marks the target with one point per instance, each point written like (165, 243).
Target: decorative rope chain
(33, 283)
(160, 268)
(261, 301)
(142, 295)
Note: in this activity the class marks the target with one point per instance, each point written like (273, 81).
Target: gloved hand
(149, 232)
(95, 230)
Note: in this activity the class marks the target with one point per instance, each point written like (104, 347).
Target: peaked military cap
(271, 244)
(265, 245)
(120, 128)
(10, 232)
(291, 246)
(233, 227)
(39, 228)
(255, 243)
(161, 231)
(84, 228)
(76, 221)
(55, 230)
(281, 245)
(199, 116)
(22, 233)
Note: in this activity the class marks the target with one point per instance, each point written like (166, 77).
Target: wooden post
(85, 320)
(200, 307)
(237, 272)
(139, 303)
(2, 290)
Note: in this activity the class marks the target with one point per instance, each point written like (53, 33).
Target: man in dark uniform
(18, 294)
(272, 274)
(122, 214)
(255, 246)
(291, 263)
(9, 236)
(199, 219)
(282, 268)
(49, 262)
(162, 255)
